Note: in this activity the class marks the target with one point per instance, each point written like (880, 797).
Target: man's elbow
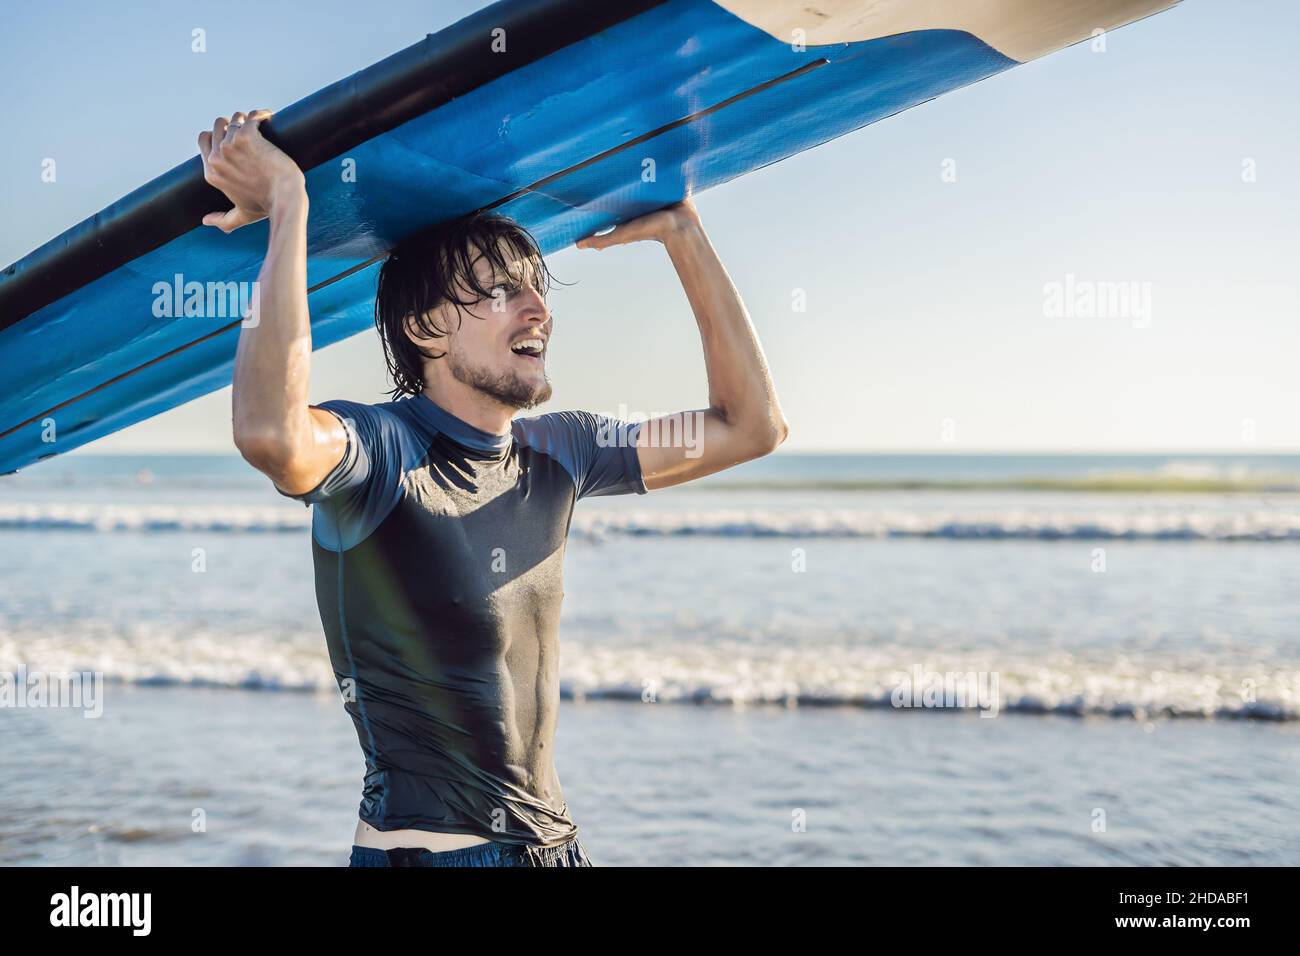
(782, 431)
(267, 451)
(768, 436)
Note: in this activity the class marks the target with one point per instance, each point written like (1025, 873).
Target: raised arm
(743, 420)
(274, 429)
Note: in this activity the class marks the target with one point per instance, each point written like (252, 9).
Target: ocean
(808, 660)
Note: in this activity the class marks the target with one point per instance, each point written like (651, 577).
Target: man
(439, 525)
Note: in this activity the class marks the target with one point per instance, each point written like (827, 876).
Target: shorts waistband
(492, 853)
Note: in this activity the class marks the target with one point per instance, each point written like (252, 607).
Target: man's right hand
(243, 164)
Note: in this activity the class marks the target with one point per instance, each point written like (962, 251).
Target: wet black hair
(437, 266)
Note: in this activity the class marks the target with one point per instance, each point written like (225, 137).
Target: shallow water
(276, 778)
(726, 664)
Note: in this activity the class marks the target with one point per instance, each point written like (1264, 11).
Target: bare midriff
(368, 836)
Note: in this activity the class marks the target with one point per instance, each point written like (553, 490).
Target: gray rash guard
(438, 552)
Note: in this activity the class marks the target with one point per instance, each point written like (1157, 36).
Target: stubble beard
(506, 388)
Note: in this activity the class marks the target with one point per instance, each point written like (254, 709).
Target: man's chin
(505, 388)
(517, 394)
(540, 396)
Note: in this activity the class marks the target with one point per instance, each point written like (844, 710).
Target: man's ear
(412, 330)
(433, 327)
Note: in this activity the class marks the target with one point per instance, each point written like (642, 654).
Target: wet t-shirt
(438, 552)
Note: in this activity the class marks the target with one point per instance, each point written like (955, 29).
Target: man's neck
(470, 406)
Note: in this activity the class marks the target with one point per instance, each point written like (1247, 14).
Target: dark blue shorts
(491, 853)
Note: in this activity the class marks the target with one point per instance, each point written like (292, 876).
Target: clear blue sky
(925, 297)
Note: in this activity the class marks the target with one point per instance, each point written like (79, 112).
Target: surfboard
(568, 115)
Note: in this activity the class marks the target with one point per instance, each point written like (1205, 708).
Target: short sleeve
(370, 446)
(599, 452)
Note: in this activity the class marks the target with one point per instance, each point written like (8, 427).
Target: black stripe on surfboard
(408, 84)
(744, 94)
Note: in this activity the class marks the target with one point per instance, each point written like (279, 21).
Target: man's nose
(534, 308)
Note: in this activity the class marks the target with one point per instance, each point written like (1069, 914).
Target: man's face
(498, 345)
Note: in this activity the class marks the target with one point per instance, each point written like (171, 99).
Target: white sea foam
(726, 673)
(1011, 523)
(1177, 524)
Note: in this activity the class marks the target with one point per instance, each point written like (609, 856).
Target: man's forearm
(744, 419)
(272, 363)
(741, 391)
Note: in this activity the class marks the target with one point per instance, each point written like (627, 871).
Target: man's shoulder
(392, 426)
(375, 414)
(562, 429)
(598, 451)
(552, 422)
